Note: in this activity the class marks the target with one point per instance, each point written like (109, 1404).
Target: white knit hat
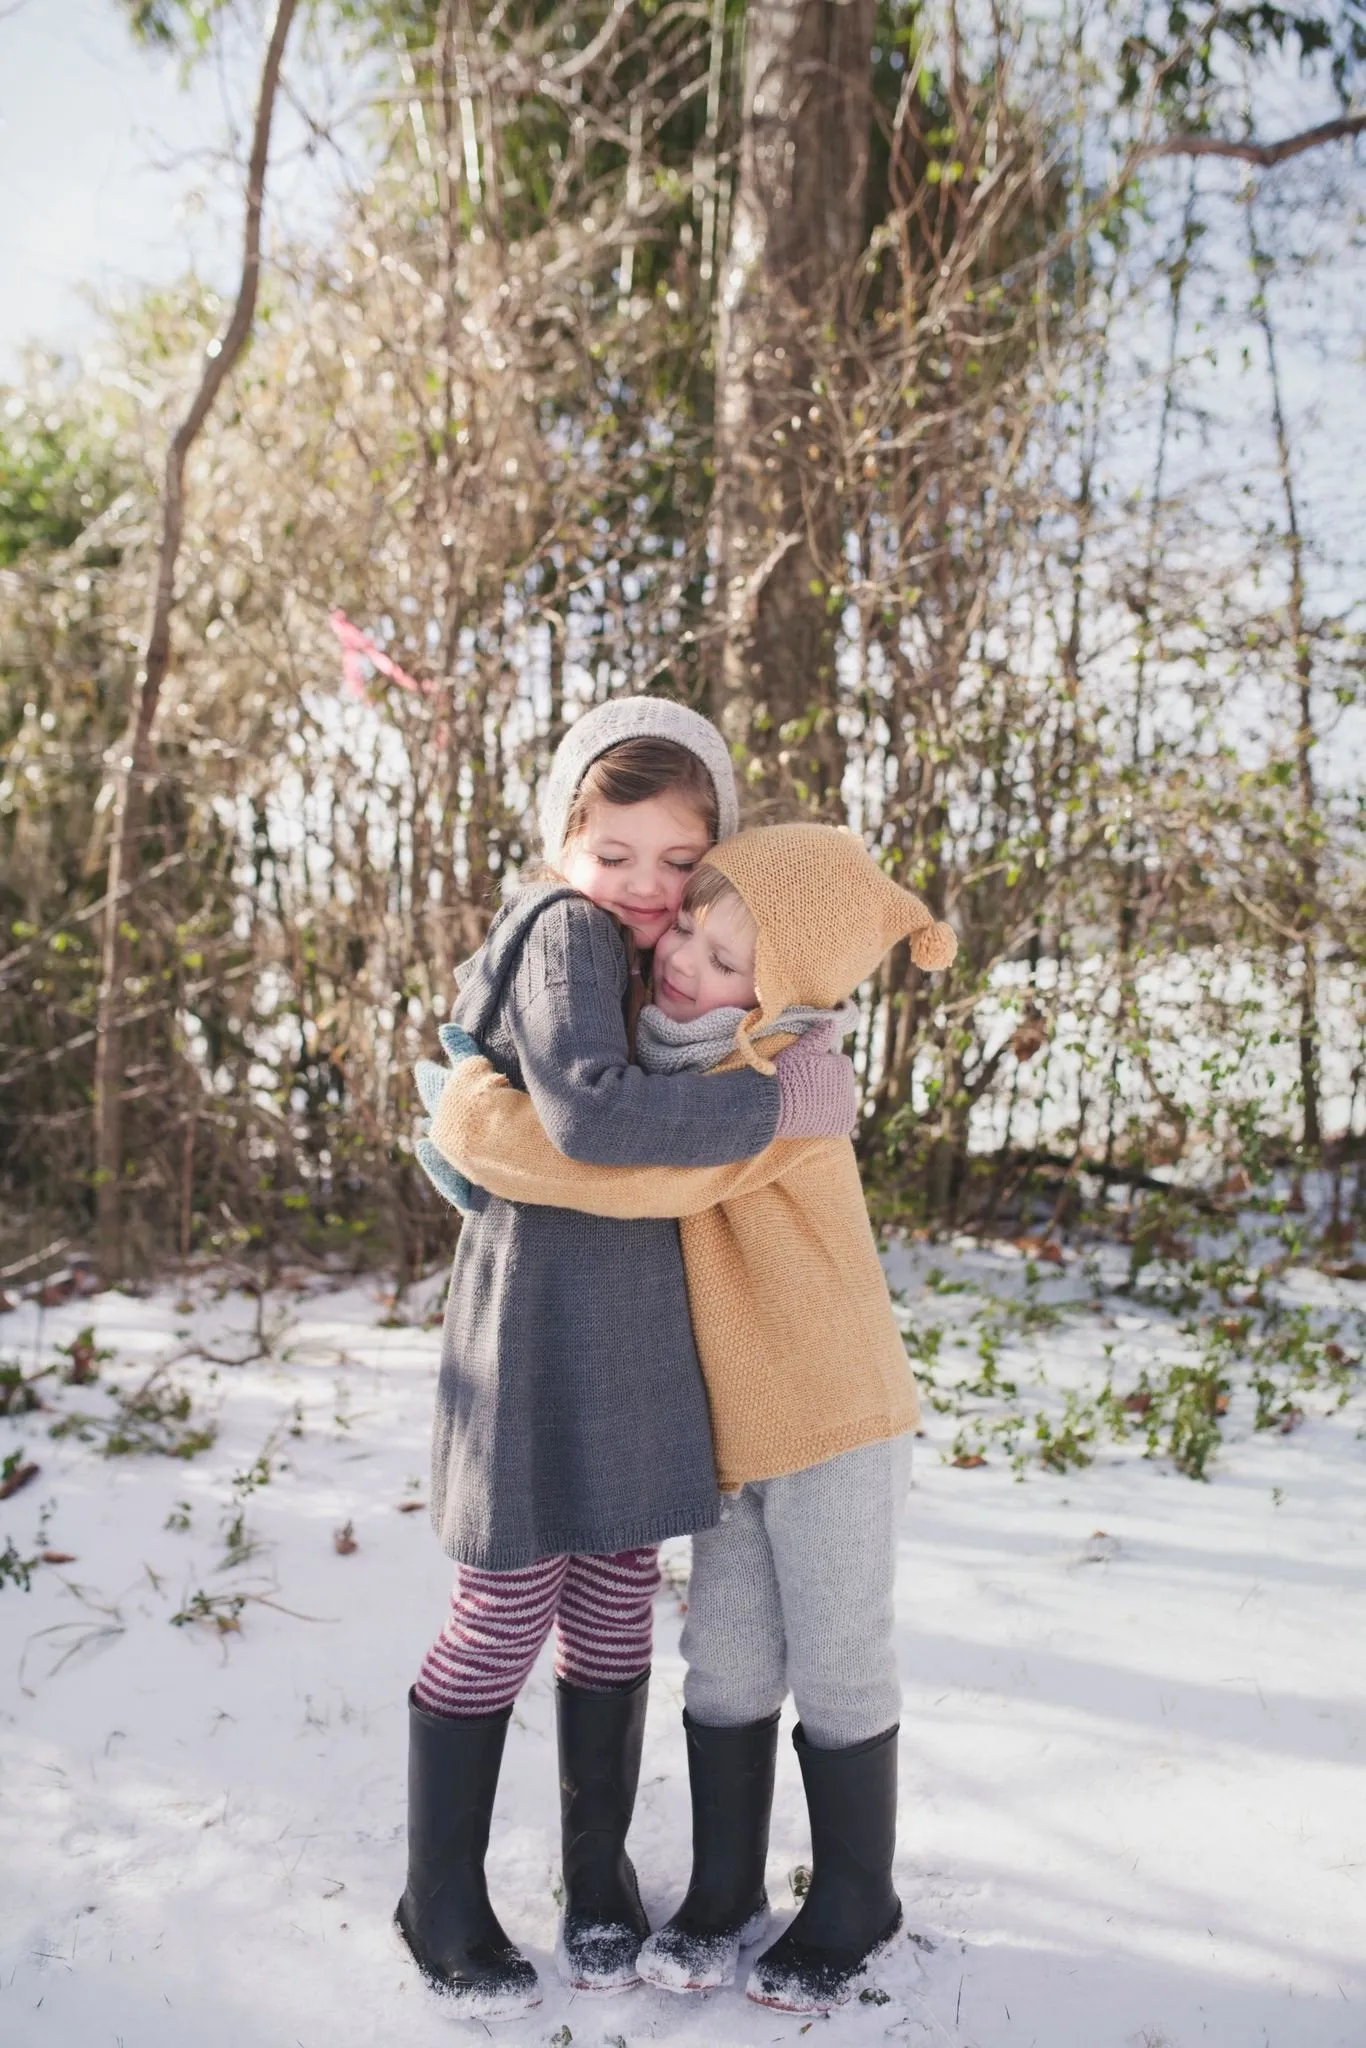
(633, 718)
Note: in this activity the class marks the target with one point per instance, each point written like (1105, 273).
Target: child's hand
(826, 1037)
(448, 1181)
(819, 1087)
(457, 1044)
(431, 1079)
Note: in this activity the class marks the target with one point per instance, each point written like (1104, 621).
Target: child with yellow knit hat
(812, 1404)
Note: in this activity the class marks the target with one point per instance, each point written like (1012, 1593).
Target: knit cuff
(819, 1094)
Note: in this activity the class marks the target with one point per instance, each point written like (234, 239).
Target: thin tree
(1304, 832)
(134, 765)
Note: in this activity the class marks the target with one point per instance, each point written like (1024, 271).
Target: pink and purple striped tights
(602, 1608)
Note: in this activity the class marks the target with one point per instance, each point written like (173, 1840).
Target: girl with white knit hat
(571, 1426)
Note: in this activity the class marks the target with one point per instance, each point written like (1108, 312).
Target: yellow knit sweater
(799, 1347)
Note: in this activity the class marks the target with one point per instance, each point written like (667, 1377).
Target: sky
(118, 171)
(111, 167)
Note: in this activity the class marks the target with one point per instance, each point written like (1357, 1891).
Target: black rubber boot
(604, 1922)
(730, 1771)
(444, 1915)
(851, 1913)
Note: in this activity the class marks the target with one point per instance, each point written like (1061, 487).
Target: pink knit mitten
(819, 1088)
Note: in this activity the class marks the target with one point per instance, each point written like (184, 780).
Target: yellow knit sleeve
(491, 1132)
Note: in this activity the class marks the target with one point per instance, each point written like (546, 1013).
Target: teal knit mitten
(448, 1180)
(458, 1045)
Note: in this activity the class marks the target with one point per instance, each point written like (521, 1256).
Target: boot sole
(466, 2004)
(857, 1982)
(754, 1930)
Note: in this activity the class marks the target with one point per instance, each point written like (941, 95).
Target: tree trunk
(134, 767)
(796, 231)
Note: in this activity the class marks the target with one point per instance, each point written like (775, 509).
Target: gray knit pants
(794, 1588)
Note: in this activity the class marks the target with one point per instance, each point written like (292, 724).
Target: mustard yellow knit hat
(825, 912)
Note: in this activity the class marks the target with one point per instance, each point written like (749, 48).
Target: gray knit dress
(571, 1414)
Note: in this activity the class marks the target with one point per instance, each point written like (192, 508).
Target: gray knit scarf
(665, 1047)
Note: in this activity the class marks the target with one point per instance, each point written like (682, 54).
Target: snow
(1134, 1807)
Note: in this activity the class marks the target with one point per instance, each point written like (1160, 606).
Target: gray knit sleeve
(564, 1010)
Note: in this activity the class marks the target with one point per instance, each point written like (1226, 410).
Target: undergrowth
(156, 1417)
(1227, 1345)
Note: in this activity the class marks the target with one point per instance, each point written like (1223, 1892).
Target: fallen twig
(58, 1244)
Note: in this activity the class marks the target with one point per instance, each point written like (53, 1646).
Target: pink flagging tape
(358, 648)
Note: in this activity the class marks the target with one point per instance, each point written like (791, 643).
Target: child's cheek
(590, 878)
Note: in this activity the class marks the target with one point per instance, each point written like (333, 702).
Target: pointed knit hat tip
(826, 914)
(597, 731)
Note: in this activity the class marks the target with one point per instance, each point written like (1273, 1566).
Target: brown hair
(635, 770)
(706, 887)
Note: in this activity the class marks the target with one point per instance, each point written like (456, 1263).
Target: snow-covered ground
(1134, 1802)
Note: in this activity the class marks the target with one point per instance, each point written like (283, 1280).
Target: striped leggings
(603, 1610)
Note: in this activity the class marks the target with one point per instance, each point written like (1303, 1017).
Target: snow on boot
(604, 1923)
(851, 1914)
(444, 1915)
(730, 1771)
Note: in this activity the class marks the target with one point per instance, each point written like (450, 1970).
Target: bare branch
(589, 55)
(1264, 154)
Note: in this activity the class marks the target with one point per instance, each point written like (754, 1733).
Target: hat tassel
(934, 944)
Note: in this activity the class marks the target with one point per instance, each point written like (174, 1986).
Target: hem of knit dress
(818, 1450)
(583, 1542)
